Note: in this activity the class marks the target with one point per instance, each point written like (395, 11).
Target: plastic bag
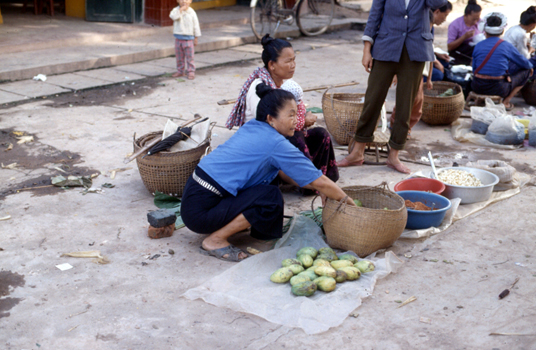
(506, 130)
(532, 132)
(488, 113)
(505, 172)
(246, 287)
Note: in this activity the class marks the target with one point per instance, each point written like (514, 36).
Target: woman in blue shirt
(230, 190)
(492, 77)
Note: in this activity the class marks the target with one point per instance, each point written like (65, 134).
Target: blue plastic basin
(418, 219)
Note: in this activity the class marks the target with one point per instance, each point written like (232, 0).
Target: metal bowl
(472, 194)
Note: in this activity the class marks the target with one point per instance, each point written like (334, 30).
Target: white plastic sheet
(246, 287)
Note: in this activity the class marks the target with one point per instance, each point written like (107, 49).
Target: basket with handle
(442, 110)
(167, 172)
(341, 113)
(366, 229)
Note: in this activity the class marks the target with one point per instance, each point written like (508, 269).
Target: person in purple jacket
(397, 41)
(491, 59)
(461, 33)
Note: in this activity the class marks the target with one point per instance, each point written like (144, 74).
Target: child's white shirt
(185, 22)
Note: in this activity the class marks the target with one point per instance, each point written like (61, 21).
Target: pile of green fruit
(319, 269)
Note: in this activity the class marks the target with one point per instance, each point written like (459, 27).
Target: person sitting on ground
(461, 32)
(439, 16)
(186, 31)
(230, 189)
(491, 59)
(279, 65)
(518, 36)
(394, 44)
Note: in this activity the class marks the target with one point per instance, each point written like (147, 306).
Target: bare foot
(398, 166)
(211, 243)
(177, 74)
(346, 162)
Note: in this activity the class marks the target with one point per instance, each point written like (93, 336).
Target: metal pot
(472, 194)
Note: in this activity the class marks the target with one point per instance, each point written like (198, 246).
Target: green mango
(326, 250)
(288, 262)
(309, 273)
(327, 256)
(306, 260)
(304, 289)
(365, 266)
(358, 202)
(349, 257)
(309, 251)
(352, 273)
(341, 276)
(299, 279)
(337, 264)
(326, 271)
(282, 275)
(321, 262)
(296, 269)
(325, 284)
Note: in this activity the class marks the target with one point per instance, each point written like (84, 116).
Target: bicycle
(313, 17)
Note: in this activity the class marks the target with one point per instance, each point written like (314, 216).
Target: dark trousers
(463, 54)
(502, 87)
(409, 75)
(202, 211)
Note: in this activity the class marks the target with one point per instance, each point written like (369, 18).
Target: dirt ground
(134, 301)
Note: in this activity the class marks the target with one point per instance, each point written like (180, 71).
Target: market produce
(459, 178)
(358, 202)
(305, 289)
(288, 262)
(309, 251)
(321, 262)
(337, 264)
(309, 273)
(325, 283)
(365, 266)
(341, 276)
(306, 260)
(296, 269)
(326, 271)
(328, 255)
(350, 257)
(326, 250)
(352, 273)
(299, 279)
(282, 275)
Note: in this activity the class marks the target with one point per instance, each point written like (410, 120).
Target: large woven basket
(167, 172)
(438, 110)
(529, 93)
(341, 113)
(366, 229)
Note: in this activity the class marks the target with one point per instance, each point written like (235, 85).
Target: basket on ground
(341, 113)
(529, 93)
(167, 172)
(366, 229)
(437, 110)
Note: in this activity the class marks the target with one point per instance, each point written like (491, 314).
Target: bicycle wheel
(264, 19)
(314, 16)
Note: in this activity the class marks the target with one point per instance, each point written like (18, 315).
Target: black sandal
(232, 251)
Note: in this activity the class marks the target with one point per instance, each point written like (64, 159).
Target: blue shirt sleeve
(293, 163)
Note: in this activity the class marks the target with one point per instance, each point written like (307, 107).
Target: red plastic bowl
(420, 184)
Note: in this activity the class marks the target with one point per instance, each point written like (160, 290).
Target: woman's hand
(367, 56)
(429, 84)
(310, 119)
(329, 189)
(439, 66)
(443, 56)
(195, 41)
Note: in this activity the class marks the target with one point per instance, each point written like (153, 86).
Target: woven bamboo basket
(167, 172)
(438, 110)
(366, 229)
(341, 113)
(529, 93)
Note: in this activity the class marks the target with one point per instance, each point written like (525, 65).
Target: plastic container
(532, 138)
(420, 184)
(472, 194)
(420, 219)
(479, 127)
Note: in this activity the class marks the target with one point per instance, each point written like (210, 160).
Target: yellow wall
(211, 4)
(75, 8)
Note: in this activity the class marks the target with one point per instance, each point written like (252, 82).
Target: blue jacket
(391, 26)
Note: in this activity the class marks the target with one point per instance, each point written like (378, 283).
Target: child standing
(186, 31)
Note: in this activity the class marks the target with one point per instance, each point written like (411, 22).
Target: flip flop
(344, 163)
(220, 252)
(400, 170)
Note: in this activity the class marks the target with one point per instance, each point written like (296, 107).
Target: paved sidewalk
(73, 45)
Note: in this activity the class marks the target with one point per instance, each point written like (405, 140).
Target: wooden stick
(155, 141)
(322, 87)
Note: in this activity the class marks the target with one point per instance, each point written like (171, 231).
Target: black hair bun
(471, 2)
(262, 89)
(531, 10)
(266, 40)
